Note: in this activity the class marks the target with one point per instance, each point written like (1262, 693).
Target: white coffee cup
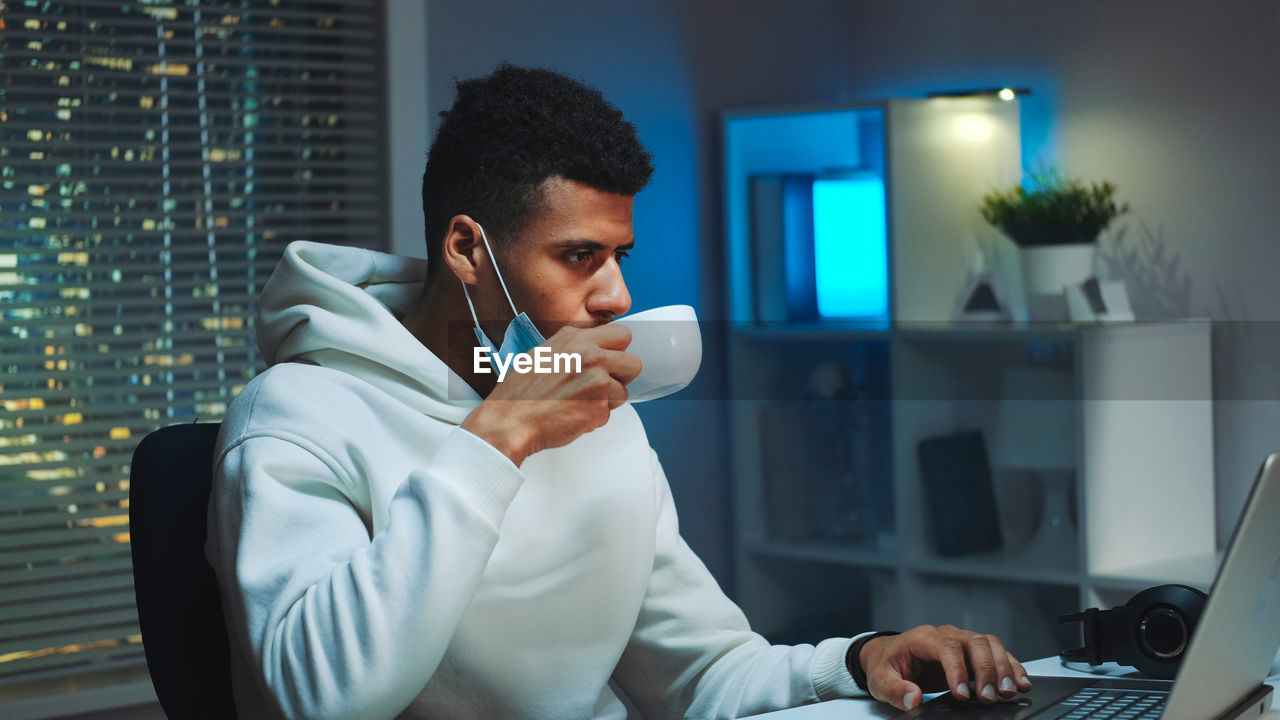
(669, 344)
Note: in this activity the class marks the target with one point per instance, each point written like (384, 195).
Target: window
(156, 157)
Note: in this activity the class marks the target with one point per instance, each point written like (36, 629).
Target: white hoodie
(377, 561)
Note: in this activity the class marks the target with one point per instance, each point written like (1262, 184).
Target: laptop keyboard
(1092, 703)
(1114, 704)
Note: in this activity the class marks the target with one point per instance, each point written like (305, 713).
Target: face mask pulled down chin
(522, 335)
(666, 339)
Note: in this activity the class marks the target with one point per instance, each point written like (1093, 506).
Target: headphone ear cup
(1157, 627)
(1151, 632)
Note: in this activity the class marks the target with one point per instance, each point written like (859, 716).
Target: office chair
(179, 611)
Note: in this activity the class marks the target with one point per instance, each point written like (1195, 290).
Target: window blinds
(155, 159)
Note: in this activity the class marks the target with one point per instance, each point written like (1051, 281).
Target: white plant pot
(1049, 269)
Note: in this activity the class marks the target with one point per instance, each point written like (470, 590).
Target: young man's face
(564, 267)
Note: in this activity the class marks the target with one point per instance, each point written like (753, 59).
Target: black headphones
(1151, 632)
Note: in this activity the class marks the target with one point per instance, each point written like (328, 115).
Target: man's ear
(463, 251)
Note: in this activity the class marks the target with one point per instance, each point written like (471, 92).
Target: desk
(855, 709)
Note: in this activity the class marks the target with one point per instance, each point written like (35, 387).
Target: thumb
(898, 691)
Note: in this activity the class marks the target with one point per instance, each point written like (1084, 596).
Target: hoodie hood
(338, 307)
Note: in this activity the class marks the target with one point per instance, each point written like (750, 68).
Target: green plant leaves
(1051, 211)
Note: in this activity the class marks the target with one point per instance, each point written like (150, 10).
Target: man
(396, 534)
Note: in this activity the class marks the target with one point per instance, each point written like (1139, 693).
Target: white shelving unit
(832, 524)
(1142, 484)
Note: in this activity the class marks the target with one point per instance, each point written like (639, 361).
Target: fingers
(1019, 675)
(618, 393)
(615, 369)
(909, 664)
(982, 663)
(611, 336)
(623, 366)
(606, 345)
(1009, 673)
(961, 655)
(949, 651)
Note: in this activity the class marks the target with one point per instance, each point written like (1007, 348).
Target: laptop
(1222, 674)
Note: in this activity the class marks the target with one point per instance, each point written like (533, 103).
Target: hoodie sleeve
(693, 654)
(338, 624)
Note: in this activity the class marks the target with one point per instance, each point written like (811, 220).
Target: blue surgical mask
(521, 336)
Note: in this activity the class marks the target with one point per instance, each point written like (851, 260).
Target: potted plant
(1055, 223)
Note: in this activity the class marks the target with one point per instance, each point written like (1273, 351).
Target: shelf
(1015, 331)
(812, 331)
(963, 331)
(1197, 571)
(981, 567)
(826, 553)
(959, 330)
(993, 567)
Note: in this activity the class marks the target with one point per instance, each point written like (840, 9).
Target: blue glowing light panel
(851, 251)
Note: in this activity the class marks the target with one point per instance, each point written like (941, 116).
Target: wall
(406, 122)
(1173, 100)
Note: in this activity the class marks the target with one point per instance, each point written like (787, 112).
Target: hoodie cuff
(492, 480)
(831, 678)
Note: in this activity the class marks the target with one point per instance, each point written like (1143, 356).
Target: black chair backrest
(179, 611)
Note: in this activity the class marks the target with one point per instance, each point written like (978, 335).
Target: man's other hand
(901, 668)
(529, 412)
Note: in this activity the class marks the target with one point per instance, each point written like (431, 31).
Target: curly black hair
(510, 131)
